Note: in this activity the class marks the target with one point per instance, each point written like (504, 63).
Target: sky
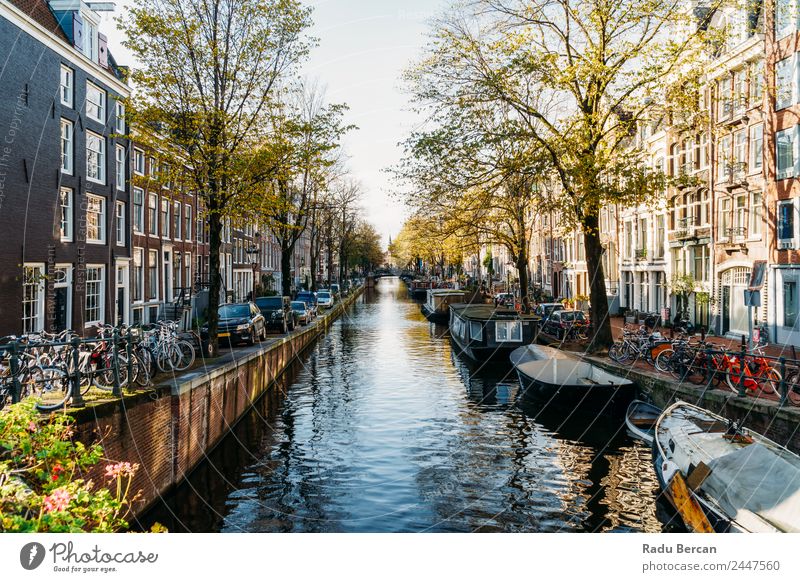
(363, 47)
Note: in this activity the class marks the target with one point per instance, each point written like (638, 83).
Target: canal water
(382, 427)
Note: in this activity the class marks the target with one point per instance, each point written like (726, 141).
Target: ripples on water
(382, 427)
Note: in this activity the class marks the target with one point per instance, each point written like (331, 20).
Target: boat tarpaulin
(758, 480)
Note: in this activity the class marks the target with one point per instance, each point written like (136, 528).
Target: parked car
(301, 311)
(324, 298)
(564, 322)
(504, 299)
(277, 312)
(336, 291)
(239, 322)
(545, 310)
(310, 299)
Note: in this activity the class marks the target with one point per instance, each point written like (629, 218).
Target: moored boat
(640, 419)
(437, 305)
(722, 477)
(483, 332)
(561, 378)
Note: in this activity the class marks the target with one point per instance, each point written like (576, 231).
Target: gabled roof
(39, 11)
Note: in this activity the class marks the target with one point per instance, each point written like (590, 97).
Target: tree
(578, 77)
(208, 73)
(306, 135)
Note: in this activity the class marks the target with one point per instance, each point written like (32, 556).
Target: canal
(381, 427)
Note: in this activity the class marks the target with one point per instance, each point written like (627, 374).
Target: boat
(418, 289)
(563, 378)
(721, 477)
(484, 332)
(641, 418)
(437, 304)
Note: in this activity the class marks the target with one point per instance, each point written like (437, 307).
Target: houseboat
(437, 304)
(484, 332)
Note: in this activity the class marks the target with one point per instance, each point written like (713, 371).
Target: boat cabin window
(476, 330)
(508, 331)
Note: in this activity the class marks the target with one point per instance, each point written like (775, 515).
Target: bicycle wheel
(51, 387)
(769, 381)
(793, 387)
(185, 351)
(104, 378)
(164, 359)
(615, 352)
(141, 374)
(663, 359)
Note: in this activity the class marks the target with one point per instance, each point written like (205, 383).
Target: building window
(138, 210)
(95, 103)
(120, 167)
(120, 224)
(724, 103)
(152, 215)
(790, 304)
(784, 18)
(67, 86)
(138, 162)
(700, 262)
(740, 216)
(756, 148)
(187, 221)
(177, 270)
(119, 117)
(165, 218)
(33, 298)
(152, 274)
(95, 219)
(739, 154)
(176, 219)
(90, 41)
(65, 201)
(786, 222)
(724, 218)
(95, 300)
(660, 237)
(723, 158)
(508, 331)
(187, 269)
(756, 215)
(138, 274)
(95, 158)
(784, 87)
(67, 143)
(756, 83)
(784, 153)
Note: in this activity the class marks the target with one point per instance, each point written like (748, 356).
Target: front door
(167, 276)
(61, 307)
(726, 309)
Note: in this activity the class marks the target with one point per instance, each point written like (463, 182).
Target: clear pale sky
(363, 47)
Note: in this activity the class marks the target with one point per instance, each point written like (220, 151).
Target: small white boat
(641, 418)
(722, 477)
(560, 377)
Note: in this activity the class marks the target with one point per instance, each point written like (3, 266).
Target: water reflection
(383, 427)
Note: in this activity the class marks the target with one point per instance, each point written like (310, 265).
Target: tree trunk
(215, 281)
(286, 268)
(601, 324)
(522, 268)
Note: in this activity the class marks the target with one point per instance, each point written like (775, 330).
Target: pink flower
(32, 426)
(121, 470)
(57, 500)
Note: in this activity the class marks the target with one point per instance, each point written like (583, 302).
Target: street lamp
(253, 252)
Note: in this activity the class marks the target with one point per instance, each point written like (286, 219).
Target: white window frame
(187, 222)
(66, 228)
(164, 217)
(784, 243)
(101, 295)
(99, 106)
(67, 86)
(119, 223)
(152, 225)
(90, 198)
(756, 159)
(138, 260)
(138, 162)
(791, 170)
(153, 280)
(177, 220)
(785, 96)
(90, 38)
(509, 326)
(120, 160)
(756, 216)
(67, 147)
(119, 116)
(101, 157)
(137, 222)
(38, 300)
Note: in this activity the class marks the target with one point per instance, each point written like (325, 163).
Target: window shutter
(77, 30)
(102, 50)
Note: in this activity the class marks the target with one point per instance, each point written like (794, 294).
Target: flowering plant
(43, 484)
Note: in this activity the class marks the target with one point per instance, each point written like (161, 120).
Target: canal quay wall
(168, 431)
(767, 417)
